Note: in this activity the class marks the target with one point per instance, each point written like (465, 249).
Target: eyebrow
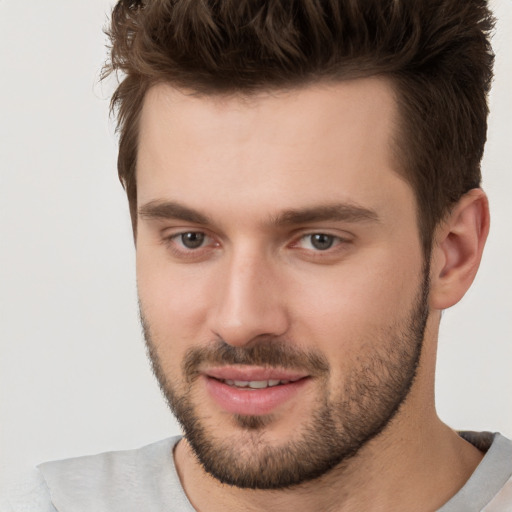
(347, 212)
(331, 212)
(161, 210)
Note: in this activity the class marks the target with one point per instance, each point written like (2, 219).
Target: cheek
(381, 290)
(173, 300)
(350, 305)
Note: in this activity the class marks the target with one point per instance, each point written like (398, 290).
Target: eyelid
(336, 241)
(304, 233)
(170, 232)
(170, 239)
(341, 247)
(170, 236)
(178, 236)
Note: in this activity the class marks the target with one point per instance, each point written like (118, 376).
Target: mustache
(268, 353)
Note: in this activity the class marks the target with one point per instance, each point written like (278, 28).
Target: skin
(242, 162)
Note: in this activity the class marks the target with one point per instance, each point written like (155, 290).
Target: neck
(428, 467)
(416, 459)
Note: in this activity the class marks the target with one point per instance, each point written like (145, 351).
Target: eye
(319, 241)
(191, 239)
(188, 241)
(190, 245)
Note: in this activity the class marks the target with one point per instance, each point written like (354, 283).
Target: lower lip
(252, 402)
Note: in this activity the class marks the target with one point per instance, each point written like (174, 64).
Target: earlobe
(458, 246)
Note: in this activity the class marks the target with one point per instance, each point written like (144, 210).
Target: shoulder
(129, 480)
(141, 479)
(489, 489)
(110, 466)
(500, 469)
(29, 494)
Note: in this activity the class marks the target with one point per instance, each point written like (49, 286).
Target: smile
(253, 391)
(256, 384)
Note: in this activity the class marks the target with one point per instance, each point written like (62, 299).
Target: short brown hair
(436, 53)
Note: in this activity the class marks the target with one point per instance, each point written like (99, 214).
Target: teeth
(258, 384)
(255, 384)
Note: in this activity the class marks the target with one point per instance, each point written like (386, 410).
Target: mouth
(252, 391)
(256, 384)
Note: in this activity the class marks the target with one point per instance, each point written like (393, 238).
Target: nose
(250, 301)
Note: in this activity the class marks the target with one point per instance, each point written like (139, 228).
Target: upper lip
(252, 373)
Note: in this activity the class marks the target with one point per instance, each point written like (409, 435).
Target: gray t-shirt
(146, 479)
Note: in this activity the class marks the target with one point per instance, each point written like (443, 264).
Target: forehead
(301, 116)
(330, 142)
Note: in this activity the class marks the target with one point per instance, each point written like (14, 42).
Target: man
(304, 186)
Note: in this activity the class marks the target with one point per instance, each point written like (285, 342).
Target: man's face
(281, 279)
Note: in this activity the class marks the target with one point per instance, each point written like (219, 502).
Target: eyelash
(334, 241)
(174, 242)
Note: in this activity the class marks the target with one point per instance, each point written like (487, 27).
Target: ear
(457, 249)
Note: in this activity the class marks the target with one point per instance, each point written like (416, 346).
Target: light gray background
(73, 373)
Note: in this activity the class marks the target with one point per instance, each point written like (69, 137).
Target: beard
(346, 417)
